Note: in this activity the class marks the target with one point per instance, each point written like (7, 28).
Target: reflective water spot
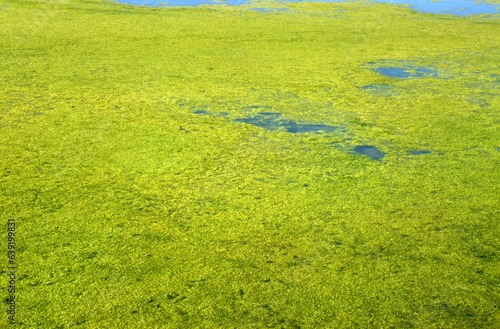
(370, 151)
(200, 112)
(420, 152)
(397, 72)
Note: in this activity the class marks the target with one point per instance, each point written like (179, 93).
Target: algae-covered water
(316, 165)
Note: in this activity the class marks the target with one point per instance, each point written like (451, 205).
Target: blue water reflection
(397, 72)
(455, 7)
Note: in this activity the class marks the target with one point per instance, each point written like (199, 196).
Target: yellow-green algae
(493, 2)
(134, 212)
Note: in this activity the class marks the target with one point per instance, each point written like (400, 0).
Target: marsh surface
(222, 167)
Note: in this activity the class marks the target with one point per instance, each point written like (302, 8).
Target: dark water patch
(381, 90)
(201, 112)
(498, 149)
(370, 151)
(269, 113)
(273, 121)
(420, 152)
(298, 128)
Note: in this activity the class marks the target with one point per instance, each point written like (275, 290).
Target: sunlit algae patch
(134, 211)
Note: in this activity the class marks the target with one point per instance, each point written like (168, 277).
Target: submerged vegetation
(154, 162)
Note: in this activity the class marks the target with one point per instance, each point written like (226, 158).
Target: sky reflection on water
(455, 7)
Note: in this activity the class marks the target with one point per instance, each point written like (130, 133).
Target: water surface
(454, 7)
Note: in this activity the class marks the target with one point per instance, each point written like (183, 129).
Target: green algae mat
(311, 165)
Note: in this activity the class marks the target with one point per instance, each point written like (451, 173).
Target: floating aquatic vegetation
(123, 214)
(384, 90)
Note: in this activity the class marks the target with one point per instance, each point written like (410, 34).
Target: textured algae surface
(147, 193)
